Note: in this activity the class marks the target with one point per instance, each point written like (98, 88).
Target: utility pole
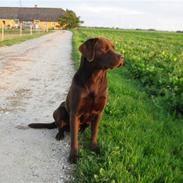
(20, 3)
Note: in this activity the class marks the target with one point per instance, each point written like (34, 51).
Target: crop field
(153, 58)
(141, 132)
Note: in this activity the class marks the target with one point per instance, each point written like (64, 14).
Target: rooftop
(29, 14)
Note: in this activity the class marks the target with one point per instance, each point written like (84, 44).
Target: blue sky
(158, 14)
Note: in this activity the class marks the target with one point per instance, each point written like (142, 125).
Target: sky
(130, 14)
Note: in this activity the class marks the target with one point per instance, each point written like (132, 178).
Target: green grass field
(140, 136)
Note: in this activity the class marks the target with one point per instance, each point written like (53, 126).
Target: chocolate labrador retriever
(87, 95)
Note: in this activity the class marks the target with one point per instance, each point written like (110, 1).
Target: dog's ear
(87, 49)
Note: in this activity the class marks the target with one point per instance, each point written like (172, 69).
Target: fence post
(31, 29)
(46, 26)
(2, 33)
(20, 28)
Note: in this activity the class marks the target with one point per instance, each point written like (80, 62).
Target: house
(39, 18)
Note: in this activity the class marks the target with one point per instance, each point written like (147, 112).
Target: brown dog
(87, 96)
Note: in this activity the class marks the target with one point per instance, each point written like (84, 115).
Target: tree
(70, 20)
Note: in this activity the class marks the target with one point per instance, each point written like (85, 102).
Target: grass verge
(139, 142)
(23, 38)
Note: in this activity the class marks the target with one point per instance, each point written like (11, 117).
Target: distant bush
(70, 20)
(179, 31)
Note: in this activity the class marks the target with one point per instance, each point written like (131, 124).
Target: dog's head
(101, 53)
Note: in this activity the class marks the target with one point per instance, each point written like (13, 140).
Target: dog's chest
(92, 103)
(95, 96)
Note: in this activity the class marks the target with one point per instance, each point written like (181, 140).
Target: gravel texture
(34, 78)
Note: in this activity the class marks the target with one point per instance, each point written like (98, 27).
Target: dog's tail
(43, 125)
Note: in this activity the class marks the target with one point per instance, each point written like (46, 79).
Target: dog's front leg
(74, 128)
(94, 132)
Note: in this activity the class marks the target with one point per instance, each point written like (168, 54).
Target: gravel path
(34, 79)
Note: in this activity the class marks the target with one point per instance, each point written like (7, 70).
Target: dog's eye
(107, 50)
(104, 50)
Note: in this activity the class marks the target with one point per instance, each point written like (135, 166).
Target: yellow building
(38, 18)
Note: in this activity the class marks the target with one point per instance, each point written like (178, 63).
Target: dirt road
(34, 79)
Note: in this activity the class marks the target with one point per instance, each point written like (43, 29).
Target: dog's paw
(59, 136)
(73, 158)
(95, 148)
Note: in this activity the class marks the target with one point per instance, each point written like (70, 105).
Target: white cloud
(161, 15)
(106, 10)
